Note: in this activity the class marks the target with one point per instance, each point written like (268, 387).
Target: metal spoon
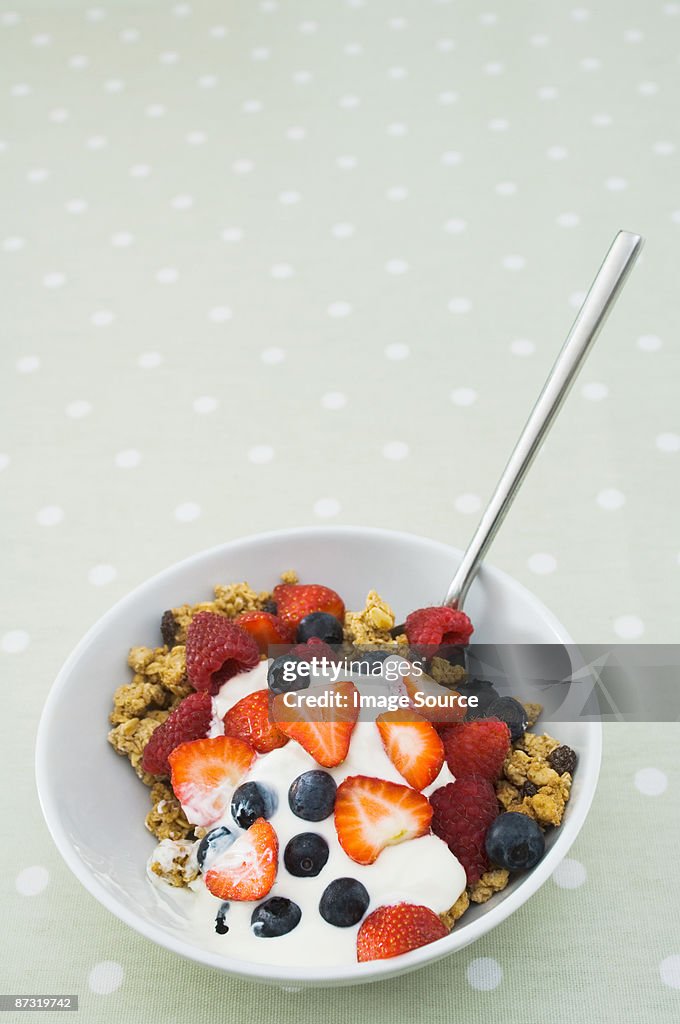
(603, 293)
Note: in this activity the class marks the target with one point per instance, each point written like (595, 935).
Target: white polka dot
(616, 184)
(576, 299)
(594, 391)
(484, 974)
(591, 64)
(105, 977)
(547, 92)
(542, 564)
(601, 120)
(296, 133)
(102, 318)
(242, 166)
(50, 515)
(514, 262)
(556, 153)
(78, 409)
(96, 142)
(451, 158)
(445, 45)
(76, 206)
(397, 351)
(459, 305)
(149, 360)
(506, 188)
(168, 57)
(140, 171)
(260, 454)
(397, 193)
(54, 279)
(448, 97)
(187, 512)
(129, 35)
(663, 148)
(100, 575)
(648, 88)
(580, 14)
(15, 641)
(610, 498)
(37, 175)
(154, 110)
(568, 220)
(10, 18)
(669, 969)
(281, 271)
(121, 239)
(27, 364)
(251, 106)
(205, 404)
(498, 124)
(334, 400)
(260, 53)
(395, 451)
(78, 61)
(4, 460)
(289, 198)
(463, 396)
(397, 129)
(128, 458)
(494, 67)
(522, 347)
(343, 230)
(31, 881)
(396, 266)
(114, 85)
(195, 138)
(219, 31)
(326, 508)
(182, 202)
(59, 115)
(272, 355)
(675, 216)
(167, 275)
(570, 874)
(649, 343)
(629, 627)
(455, 226)
(397, 73)
(13, 244)
(339, 309)
(302, 77)
(633, 35)
(651, 781)
(220, 314)
(232, 235)
(467, 503)
(668, 442)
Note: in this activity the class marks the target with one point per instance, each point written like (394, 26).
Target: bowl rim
(315, 975)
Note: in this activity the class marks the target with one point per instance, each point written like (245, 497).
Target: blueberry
(484, 691)
(344, 902)
(322, 625)
(306, 854)
(453, 653)
(282, 676)
(369, 658)
(221, 927)
(515, 841)
(276, 916)
(212, 843)
(512, 713)
(252, 800)
(269, 606)
(312, 795)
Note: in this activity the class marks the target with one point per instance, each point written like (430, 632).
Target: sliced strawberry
(249, 720)
(203, 774)
(246, 869)
(267, 630)
(371, 814)
(412, 745)
(324, 732)
(440, 714)
(295, 600)
(391, 931)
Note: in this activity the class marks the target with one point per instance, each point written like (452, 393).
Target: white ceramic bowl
(94, 805)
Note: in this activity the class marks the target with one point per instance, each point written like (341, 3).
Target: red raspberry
(189, 721)
(437, 626)
(217, 650)
(478, 748)
(462, 813)
(312, 648)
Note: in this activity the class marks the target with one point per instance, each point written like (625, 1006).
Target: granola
(175, 862)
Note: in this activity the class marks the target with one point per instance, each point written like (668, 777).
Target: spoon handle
(603, 293)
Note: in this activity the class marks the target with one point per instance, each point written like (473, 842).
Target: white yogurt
(422, 871)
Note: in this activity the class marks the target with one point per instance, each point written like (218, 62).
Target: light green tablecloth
(285, 262)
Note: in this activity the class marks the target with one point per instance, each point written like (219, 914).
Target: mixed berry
(208, 760)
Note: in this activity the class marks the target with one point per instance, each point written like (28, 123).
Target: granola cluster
(175, 862)
(166, 819)
(372, 624)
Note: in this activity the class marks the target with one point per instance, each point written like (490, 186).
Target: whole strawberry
(294, 601)
(189, 721)
(216, 650)
(479, 747)
(462, 813)
(267, 630)
(436, 626)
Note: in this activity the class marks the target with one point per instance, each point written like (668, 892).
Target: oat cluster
(174, 861)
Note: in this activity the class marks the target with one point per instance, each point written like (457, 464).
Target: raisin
(168, 628)
(528, 789)
(563, 759)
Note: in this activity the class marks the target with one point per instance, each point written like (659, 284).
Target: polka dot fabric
(274, 263)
